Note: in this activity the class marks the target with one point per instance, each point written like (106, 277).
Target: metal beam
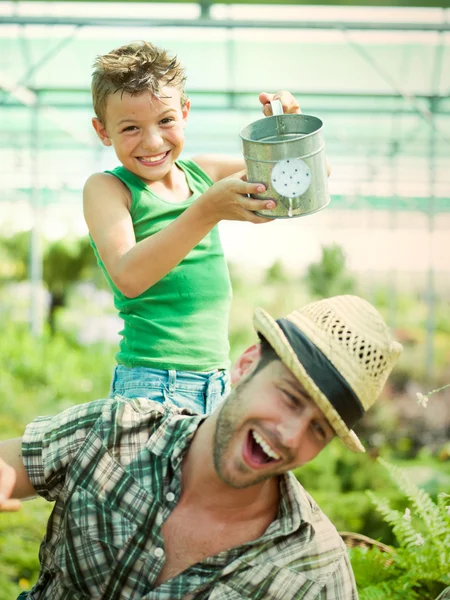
(338, 202)
(347, 3)
(221, 23)
(33, 68)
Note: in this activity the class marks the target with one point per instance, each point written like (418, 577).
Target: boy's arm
(14, 481)
(134, 267)
(219, 166)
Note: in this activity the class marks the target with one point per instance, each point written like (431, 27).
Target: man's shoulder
(325, 533)
(130, 412)
(312, 543)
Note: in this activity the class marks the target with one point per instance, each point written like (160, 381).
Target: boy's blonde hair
(134, 68)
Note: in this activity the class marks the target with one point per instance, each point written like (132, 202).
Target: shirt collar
(172, 438)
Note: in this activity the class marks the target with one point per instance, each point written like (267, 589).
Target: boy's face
(147, 133)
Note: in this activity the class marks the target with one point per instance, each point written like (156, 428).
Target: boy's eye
(167, 120)
(130, 128)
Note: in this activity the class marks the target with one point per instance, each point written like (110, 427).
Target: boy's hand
(7, 482)
(228, 200)
(288, 102)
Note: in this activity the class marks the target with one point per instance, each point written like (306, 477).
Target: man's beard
(229, 423)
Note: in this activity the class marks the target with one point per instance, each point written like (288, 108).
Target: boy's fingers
(242, 175)
(289, 103)
(256, 205)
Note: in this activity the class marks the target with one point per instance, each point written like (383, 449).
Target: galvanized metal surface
(286, 153)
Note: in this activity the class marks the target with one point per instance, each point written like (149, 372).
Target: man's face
(147, 133)
(267, 426)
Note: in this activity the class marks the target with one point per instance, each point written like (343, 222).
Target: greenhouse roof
(379, 78)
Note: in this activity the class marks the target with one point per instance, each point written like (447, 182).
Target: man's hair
(134, 68)
(267, 356)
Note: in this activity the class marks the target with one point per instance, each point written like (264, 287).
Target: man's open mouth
(258, 452)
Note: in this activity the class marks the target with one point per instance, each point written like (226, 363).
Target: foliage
(46, 375)
(65, 262)
(39, 376)
(329, 276)
(420, 565)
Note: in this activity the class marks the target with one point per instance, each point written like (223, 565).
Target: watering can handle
(277, 107)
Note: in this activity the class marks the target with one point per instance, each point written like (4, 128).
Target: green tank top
(181, 322)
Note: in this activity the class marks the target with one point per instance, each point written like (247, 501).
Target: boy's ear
(100, 130)
(245, 363)
(185, 110)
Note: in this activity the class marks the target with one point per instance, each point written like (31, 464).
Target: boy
(153, 226)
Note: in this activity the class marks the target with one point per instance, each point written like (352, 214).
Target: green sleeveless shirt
(180, 322)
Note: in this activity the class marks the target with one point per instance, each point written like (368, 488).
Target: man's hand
(288, 102)
(7, 483)
(14, 481)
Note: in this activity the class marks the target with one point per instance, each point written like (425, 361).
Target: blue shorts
(200, 392)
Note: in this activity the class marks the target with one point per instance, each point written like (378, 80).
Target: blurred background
(378, 75)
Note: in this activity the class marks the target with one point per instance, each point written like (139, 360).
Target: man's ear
(245, 363)
(100, 130)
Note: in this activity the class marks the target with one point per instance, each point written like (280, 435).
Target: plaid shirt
(113, 469)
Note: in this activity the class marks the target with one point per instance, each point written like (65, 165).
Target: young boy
(153, 226)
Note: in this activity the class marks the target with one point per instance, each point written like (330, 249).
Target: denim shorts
(198, 391)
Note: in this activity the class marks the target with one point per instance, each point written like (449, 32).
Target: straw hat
(341, 351)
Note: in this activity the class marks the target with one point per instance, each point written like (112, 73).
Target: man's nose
(292, 432)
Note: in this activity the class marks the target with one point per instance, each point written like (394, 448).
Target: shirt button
(170, 497)
(159, 552)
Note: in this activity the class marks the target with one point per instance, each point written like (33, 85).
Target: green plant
(329, 276)
(418, 568)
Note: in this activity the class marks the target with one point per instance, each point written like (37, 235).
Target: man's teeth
(265, 446)
(153, 158)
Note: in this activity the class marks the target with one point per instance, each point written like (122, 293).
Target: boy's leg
(200, 392)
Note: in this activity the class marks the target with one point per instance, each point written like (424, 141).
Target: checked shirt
(113, 469)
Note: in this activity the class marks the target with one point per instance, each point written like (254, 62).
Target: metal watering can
(286, 153)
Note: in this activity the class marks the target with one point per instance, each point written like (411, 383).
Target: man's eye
(319, 430)
(291, 399)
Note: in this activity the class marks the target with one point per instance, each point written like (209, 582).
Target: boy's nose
(152, 140)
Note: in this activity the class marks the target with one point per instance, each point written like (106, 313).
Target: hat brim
(272, 332)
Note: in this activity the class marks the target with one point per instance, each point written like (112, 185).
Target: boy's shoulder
(107, 180)
(105, 185)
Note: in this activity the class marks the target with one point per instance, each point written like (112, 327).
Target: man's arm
(14, 482)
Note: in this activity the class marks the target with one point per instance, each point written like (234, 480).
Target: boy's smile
(147, 132)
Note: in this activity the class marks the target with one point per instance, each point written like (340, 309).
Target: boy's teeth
(265, 446)
(153, 158)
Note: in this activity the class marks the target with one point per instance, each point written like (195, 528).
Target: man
(153, 503)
